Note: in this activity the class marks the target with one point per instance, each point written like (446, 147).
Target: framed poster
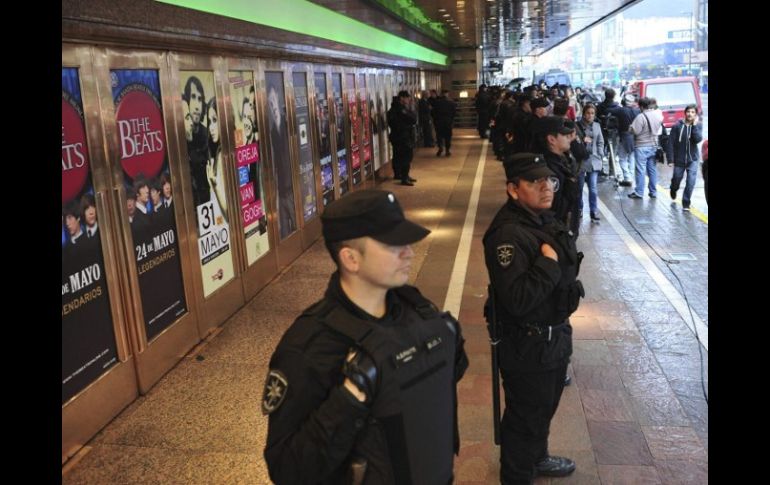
(339, 116)
(366, 131)
(324, 145)
(209, 183)
(149, 196)
(248, 165)
(279, 150)
(306, 173)
(355, 128)
(88, 336)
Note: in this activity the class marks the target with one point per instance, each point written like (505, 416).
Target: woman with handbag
(590, 134)
(646, 127)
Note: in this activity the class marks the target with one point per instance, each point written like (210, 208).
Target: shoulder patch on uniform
(505, 255)
(276, 385)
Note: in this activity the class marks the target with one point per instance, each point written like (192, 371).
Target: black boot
(554, 466)
(595, 216)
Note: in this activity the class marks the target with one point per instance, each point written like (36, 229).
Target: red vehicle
(673, 94)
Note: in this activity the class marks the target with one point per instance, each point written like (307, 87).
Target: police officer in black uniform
(401, 121)
(362, 387)
(533, 264)
(553, 137)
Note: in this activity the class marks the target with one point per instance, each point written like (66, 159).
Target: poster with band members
(324, 142)
(389, 101)
(248, 164)
(339, 114)
(306, 173)
(88, 335)
(355, 129)
(279, 149)
(374, 118)
(150, 196)
(382, 109)
(366, 147)
(209, 182)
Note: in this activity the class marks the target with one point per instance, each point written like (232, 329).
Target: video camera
(608, 122)
(588, 97)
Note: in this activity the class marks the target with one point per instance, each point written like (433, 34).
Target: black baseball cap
(539, 103)
(528, 166)
(373, 213)
(551, 125)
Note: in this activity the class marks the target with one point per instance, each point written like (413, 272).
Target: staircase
(466, 113)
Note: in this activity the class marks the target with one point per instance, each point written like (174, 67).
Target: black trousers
(531, 399)
(444, 136)
(427, 133)
(402, 161)
(483, 123)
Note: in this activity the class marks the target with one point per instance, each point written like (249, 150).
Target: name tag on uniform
(405, 356)
(432, 343)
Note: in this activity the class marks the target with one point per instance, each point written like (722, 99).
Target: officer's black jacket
(529, 286)
(401, 121)
(313, 431)
(482, 101)
(565, 200)
(522, 134)
(444, 112)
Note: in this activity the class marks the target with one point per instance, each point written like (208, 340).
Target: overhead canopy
(504, 28)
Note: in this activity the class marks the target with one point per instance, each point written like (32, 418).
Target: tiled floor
(635, 412)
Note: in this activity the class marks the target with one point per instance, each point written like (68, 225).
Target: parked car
(673, 94)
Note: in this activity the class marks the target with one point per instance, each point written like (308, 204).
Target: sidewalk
(633, 414)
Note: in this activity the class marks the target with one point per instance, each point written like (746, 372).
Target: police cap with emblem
(528, 166)
(373, 213)
(552, 125)
(539, 103)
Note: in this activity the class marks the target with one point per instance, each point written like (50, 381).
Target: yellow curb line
(700, 215)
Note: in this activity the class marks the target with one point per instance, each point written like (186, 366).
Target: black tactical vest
(569, 289)
(412, 430)
(529, 345)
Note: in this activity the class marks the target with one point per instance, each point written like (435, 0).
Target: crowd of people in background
(514, 119)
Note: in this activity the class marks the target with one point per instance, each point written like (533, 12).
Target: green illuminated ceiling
(304, 17)
(414, 16)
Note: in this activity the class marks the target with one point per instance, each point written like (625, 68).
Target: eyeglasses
(551, 181)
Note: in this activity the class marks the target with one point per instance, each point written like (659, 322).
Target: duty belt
(535, 330)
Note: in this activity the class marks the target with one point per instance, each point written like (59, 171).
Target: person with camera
(362, 386)
(608, 123)
(625, 115)
(533, 265)
(646, 127)
(682, 150)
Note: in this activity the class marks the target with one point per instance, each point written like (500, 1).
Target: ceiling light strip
(307, 18)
